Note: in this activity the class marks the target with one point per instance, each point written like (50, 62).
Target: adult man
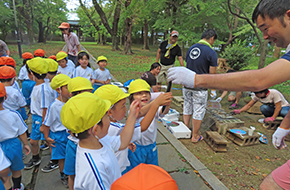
(202, 59)
(167, 52)
(272, 17)
(4, 51)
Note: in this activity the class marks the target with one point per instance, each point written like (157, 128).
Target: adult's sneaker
(21, 187)
(44, 147)
(32, 163)
(49, 167)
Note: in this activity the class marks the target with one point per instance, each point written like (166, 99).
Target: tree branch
(88, 15)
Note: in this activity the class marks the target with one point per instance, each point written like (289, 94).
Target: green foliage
(237, 55)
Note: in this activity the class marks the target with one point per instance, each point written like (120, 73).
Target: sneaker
(234, 106)
(44, 147)
(21, 188)
(49, 167)
(32, 163)
(64, 180)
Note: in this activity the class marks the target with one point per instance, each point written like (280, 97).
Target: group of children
(78, 113)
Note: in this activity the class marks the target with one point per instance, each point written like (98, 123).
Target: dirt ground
(241, 167)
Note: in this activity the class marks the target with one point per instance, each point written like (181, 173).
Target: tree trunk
(128, 34)
(165, 35)
(152, 37)
(25, 11)
(41, 32)
(142, 35)
(263, 54)
(104, 39)
(277, 52)
(146, 45)
(121, 36)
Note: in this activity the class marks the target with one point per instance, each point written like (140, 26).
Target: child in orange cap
(12, 129)
(39, 53)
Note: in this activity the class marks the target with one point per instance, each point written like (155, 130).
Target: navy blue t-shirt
(200, 57)
(286, 56)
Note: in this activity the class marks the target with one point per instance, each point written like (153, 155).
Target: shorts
(2, 185)
(22, 112)
(281, 175)
(60, 138)
(194, 103)
(244, 94)
(162, 76)
(12, 149)
(96, 86)
(27, 86)
(70, 158)
(143, 154)
(36, 123)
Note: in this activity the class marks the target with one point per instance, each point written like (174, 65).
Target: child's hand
(26, 149)
(104, 82)
(41, 129)
(164, 99)
(132, 146)
(50, 141)
(135, 108)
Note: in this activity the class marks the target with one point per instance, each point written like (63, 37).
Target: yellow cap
(61, 55)
(59, 81)
(52, 65)
(38, 65)
(101, 58)
(138, 85)
(79, 84)
(83, 111)
(111, 92)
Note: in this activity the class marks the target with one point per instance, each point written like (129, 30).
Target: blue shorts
(60, 138)
(1, 185)
(12, 149)
(70, 158)
(143, 154)
(27, 86)
(96, 86)
(23, 114)
(36, 123)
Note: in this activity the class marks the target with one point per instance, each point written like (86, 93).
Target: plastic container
(172, 115)
(251, 131)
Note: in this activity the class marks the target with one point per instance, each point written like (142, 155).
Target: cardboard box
(180, 131)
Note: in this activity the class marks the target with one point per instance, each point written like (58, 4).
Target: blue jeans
(268, 111)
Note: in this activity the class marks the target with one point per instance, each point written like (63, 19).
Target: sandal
(199, 139)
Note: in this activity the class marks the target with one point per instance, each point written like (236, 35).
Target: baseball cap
(27, 55)
(83, 111)
(111, 92)
(64, 25)
(52, 65)
(38, 65)
(39, 53)
(7, 61)
(174, 33)
(138, 85)
(101, 58)
(52, 57)
(2, 90)
(61, 55)
(59, 81)
(7, 72)
(145, 177)
(79, 84)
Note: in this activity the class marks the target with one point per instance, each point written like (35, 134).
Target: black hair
(209, 33)
(81, 55)
(24, 62)
(75, 93)
(85, 134)
(131, 99)
(154, 66)
(2, 99)
(230, 71)
(8, 66)
(5, 80)
(38, 76)
(271, 8)
(262, 91)
(52, 73)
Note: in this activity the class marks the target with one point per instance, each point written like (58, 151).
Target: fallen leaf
(237, 169)
(197, 157)
(278, 158)
(206, 182)
(195, 171)
(253, 167)
(183, 160)
(244, 185)
(245, 171)
(254, 173)
(264, 175)
(258, 157)
(257, 170)
(217, 163)
(252, 188)
(229, 165)
(247, 165)
(268, 159)
(232, 175)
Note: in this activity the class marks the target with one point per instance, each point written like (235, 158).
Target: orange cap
(52, 57)
(2, 90)
(64, 25)
(27, 55)
(145, 177)
(7, 61)
(39, 53)
(7, 72)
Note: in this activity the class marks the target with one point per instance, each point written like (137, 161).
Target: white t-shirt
(14, 100)
(149, 136)
(11, 125)
(97, 168)
(40, 98)
(74, 139)
(23, 74)
(52, 117)
(16, 85)
(102, 75)
(273, 97)
(115, 129)
(70, 63)
(86, 73)
(4, 162)
(53, 93)
(67, 70)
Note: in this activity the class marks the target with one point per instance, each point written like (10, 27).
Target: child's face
(102, 64)
(84, 61)
(143, 97)
(103, 130)
(64, 92)
(119, 110)
(62, 63)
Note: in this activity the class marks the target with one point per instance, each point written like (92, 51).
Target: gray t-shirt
(3, 48)
(102, 75)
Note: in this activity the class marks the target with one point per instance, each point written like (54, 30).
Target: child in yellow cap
(83, 67)
(13, 130)
(52, 70)
(146, 151)
(54, 132)
(66, 66)
(102, 75)
(86, 115)
(118, 111)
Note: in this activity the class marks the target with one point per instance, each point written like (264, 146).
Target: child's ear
(110, 113)
(58, 91)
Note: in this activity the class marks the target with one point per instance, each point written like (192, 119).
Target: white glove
(182, 75)
(219, 99)
(213, 94)
(278, 137)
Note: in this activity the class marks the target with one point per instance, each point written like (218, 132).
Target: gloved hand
(236, 112)
(267, 119)
(219, 99)
(213, 94)
(278, 137)
(181, 75)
